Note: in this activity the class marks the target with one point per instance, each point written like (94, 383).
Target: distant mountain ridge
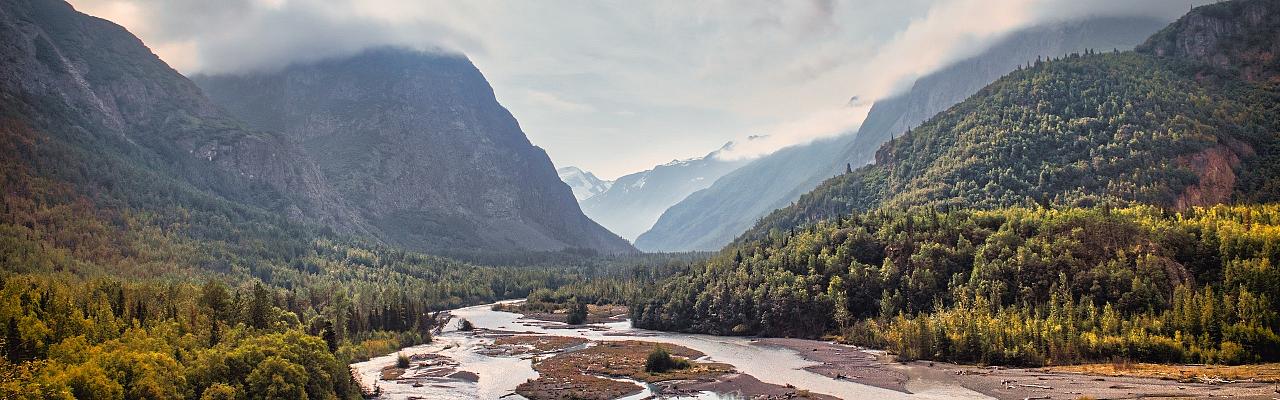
(1159, 125)
(635, 201)
(583, 183)
(709, 219)
(419, 146)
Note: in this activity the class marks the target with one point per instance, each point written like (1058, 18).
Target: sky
(615, 87)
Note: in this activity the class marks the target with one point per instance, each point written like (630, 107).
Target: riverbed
(499, 375)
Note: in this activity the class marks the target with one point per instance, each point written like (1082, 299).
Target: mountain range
(417, 144)
(389, 144)
(635, 201)
(1184, 120)
(713, 217)
(1136, 185)
(583, 183)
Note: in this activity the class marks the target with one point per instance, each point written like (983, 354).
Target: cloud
(616, 87)
(231, 36)
(824, 123)
(556, 102)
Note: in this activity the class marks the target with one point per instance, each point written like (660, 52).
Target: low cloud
(616, 87)
(821, 124)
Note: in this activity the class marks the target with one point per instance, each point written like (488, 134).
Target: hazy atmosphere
(625, 200)
(617, 87)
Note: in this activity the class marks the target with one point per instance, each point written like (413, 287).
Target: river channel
(499, 375)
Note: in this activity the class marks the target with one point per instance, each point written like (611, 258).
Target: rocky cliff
(92, 85)
(1239, 36)
(419, 145)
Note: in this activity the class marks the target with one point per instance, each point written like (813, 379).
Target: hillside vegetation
(1064, 213)
(1018, 285)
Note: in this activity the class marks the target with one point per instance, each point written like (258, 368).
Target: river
(498, 376)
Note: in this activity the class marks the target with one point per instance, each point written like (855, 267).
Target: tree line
(1029, 286)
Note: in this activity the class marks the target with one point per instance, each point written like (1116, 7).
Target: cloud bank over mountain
(659, 79)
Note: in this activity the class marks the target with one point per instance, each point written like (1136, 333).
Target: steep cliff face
(1240, 36)
(93, 85)
(419, 145)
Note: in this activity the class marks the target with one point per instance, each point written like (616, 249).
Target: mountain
(635, 201)
(1155, 126)
(88, 85)
(584, 184)
(418, 145)
(1072, 211)
(146, 237)
(711, 218)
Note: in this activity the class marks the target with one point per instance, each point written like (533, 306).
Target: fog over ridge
(619, 87)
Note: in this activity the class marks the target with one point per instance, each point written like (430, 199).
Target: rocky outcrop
(1215, 170)
(1240, 36)
(418, 144)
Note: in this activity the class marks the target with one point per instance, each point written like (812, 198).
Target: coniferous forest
(1096, 206)
(1065, 213)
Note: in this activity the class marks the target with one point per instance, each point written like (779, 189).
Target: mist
(615, 88)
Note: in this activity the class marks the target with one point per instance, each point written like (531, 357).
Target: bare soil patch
(586, 374)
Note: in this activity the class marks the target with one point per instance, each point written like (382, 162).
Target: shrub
(465, 325)
(577, 314)
(402, 361)
(660, 361)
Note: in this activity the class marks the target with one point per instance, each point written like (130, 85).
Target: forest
(1022, 286)
(120, 282)
(1082, 130)
(1076, 210)
(1100, 206)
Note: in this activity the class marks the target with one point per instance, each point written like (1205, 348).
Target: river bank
(500, 355)
(878, 369)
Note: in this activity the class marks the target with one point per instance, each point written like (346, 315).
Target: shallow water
(500, 375)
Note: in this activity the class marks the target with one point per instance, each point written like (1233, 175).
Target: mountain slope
(712, 218)
(635, 201)
(709, 218)
(584, 184)
(418, 144)
(1069, 212)
(1133, 126)
(89, 84)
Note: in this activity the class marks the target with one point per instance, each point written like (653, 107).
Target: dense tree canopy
(1017, 285)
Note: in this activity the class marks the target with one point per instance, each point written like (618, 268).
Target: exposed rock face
(1240, 36)
(91, 83)
(419, 145)
(1216, 169)
(713, 217)
(93, 87)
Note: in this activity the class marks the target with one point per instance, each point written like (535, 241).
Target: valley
(759, 368)
(344, 206)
